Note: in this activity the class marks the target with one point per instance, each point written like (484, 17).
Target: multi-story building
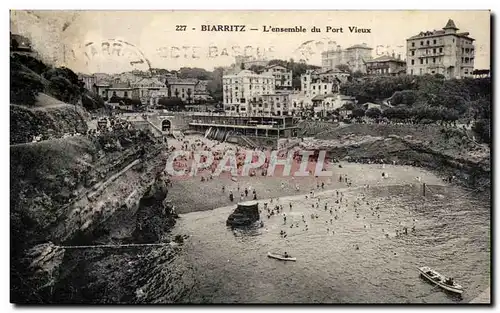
(283, 77)
(386, 65)
(354, 56)
(88, 80)
(182, 88)
(244, 88)
(445, 52)
(146, 86)
(200, 91)
(122, 90)
(275, 104)
(322, 82)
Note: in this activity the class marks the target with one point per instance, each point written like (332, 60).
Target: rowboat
(440, 280)
(280, 257)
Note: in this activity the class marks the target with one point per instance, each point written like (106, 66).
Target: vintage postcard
(335, 157)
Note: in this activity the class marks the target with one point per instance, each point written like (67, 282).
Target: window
(421, 61)
(427, 42)
(434, 41)
(413, 53)
(434, 50)
(411, 72)
(314, 87)
(125, 94)
(433, 72)
(462, 60)
(412, 62)
(235, 88)
(440, 50)
(413, 44)
(453, 39)
(250, 87)
(104, 93)
(421, 43)
(242, 100)
(426, 61)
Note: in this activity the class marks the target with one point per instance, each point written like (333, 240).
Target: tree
(358, 112)
(343, 68)
(173, 104)
(257, 68)
(408, 97)
(357, 74)
(373, 113)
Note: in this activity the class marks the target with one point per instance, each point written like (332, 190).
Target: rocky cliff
(106, 193)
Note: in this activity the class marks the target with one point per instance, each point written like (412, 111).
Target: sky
(139, 39)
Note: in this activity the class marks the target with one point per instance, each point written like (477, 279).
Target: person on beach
(246, 192)
(231, 197)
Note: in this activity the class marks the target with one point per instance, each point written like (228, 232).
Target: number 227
(180, 28)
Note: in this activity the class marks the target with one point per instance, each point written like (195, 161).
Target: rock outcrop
(245, 214)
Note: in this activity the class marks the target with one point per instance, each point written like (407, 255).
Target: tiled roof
(385, 58)
(450, 24)
(359, 47)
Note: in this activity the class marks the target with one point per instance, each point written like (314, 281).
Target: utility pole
(423, 189)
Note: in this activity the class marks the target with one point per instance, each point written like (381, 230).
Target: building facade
(386, 65)
(322, 82)
(283, 77)
(354, 56)
(275, 104)
(244, 88)
(445, 52)
(182, 88)
(88, 80)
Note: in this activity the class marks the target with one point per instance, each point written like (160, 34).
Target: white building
(322, 82)
(282, 76)
(244, 88)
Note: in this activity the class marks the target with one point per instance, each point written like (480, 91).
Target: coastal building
(274, 104)
(330, 102)
(283, 77)
(201, 93)
(88, 80)
(245, 88)
(122, 90)
(444, 51)
(354, 57)
(386, 65)
(182, 88)
(146, 86)
(321, 82)
(244, 129)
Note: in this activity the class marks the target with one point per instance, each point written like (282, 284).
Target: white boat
(440, 280)
(280, 257)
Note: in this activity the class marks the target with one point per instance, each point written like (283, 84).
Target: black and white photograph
(250, 157)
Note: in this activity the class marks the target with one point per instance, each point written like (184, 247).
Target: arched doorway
(166, 125)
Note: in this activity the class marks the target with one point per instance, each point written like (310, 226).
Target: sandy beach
(191, 195)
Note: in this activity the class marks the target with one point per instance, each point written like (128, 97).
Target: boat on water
(440, 280)
(280, 257)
